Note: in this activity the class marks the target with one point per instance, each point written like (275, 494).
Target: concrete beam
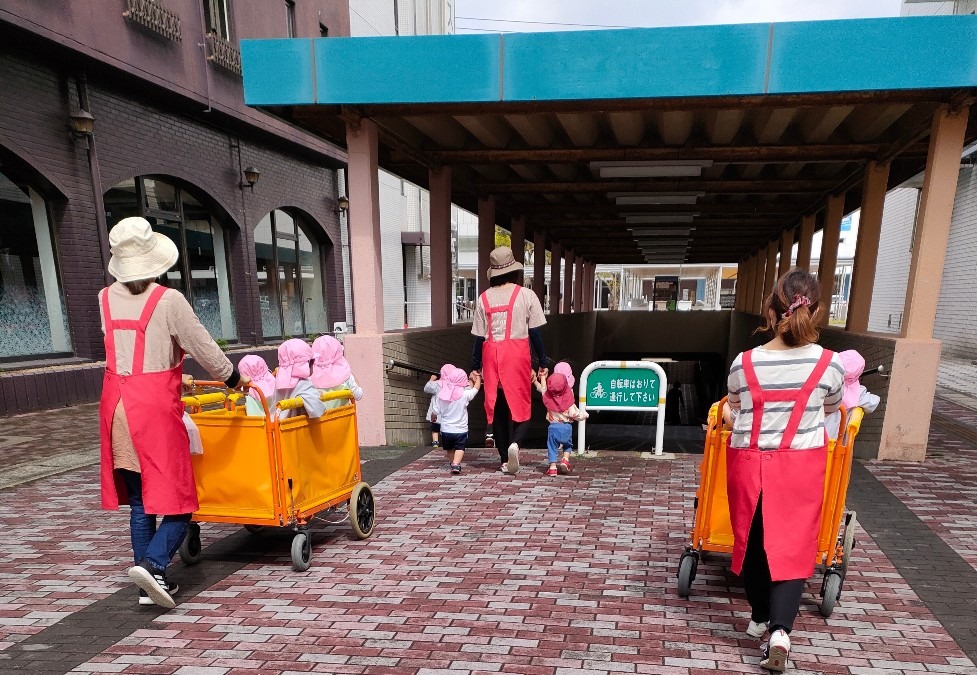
(582, 128)
(628, 127)
(442, 291)
(830, 236)
(805, 241)
(786, 252)
(534, 129)
(486, 239)
(770, 278)
(867, 249)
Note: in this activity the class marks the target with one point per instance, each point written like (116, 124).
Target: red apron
(155, 416)
(506, 362)
(792, 483)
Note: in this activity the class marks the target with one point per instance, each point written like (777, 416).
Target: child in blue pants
(561, 413)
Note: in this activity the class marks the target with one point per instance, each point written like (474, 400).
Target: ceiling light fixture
(662, 169)
(640, 219)
(651, 198)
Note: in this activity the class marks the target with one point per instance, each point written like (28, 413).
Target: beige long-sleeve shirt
(172, 327)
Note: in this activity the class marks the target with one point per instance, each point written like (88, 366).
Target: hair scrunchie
(799, 300)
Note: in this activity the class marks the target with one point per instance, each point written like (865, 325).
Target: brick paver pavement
(478, 573)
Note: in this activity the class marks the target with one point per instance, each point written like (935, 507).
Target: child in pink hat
(432, 388)
(561, 413)
(332, 371)
(855, 395)
(262, 380)
(458, 388)
(292, 379)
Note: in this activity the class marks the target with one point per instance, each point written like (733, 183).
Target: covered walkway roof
(649, 145)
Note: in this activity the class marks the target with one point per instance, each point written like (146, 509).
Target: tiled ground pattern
(38, 436)
(942, 491)
(482, 573)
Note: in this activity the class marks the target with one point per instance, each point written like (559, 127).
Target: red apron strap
(803, 396)
(139, 350)
(508, 311)
(756, 397)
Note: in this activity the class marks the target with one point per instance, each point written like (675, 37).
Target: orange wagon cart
(713, 532)
(269, 471)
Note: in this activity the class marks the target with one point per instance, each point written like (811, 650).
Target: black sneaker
(455, 469)
(154, 583)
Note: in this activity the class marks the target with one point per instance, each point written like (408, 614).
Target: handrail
(394, 363)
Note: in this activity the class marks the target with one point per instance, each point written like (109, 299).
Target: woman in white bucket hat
(145, 452)
(506, 322)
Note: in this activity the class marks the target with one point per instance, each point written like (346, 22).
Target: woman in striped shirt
(778, 397)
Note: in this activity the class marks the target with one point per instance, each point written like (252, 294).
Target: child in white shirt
(855, 395)
(451, 407)
(292, 378)
(432, 388)
(332, 371)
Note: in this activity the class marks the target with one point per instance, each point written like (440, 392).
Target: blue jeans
(153, 545)
(561, 433)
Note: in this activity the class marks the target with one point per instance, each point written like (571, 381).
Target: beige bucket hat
(138, 252)
(501, 261)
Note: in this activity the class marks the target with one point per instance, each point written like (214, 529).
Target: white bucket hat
(502, 261)
(139, 253)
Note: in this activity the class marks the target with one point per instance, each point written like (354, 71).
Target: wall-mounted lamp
(342, 204)
(82, 125)
(251, 175)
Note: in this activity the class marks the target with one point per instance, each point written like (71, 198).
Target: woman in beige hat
(506, 322)
(145, 452)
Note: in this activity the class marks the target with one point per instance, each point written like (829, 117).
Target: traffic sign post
(625, 386)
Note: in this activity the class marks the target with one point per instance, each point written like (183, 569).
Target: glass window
(289, 278)
(290, 18)
(215, 15)
(202, 272)
(32, 316)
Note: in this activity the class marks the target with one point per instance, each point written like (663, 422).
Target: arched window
(32, 316)
(202, 273)
(289, 277)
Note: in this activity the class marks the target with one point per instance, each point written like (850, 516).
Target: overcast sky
(658, 12)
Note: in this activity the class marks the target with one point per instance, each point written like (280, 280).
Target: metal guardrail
(394, 363)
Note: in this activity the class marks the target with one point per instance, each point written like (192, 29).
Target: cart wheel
(301, 551)
(190, 548)
(848, 543)
(254, 529)
(686, 573)
(830, 592)
(362, 510)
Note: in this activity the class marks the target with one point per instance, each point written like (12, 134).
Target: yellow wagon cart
(713, 532)
(275, 470)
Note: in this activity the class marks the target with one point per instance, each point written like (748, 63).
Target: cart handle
(296, 403)
(231, 393)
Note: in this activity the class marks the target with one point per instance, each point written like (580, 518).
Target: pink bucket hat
(558, 396)
(453, 386)
(854, 364)
(255, 367)
(563, 368)
(331, 368)
(293, 363)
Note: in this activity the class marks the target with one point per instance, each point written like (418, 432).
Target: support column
(867, 250)
(486, 239)
(539, 265)
(518, 239)
(738, 295)
(912, 385)
(439, 184)
(591, 290)
(749, 272)
(759, 274)
(771, 272)
(364, 348)
(556, 257)
(578, 278)
(805, 241)
(830, 236)
(567, 303)
(786, 252)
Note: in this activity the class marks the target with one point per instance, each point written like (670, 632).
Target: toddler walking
(332, 371)
(561, 413)
(451, 408)
(432, 388)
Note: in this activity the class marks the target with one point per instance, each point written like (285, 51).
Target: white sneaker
(504, 468)
(775, 652)
(755, 629)
(514, 459)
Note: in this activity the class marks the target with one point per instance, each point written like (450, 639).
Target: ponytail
(791, 311)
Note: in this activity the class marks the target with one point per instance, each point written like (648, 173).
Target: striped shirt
(784, 369)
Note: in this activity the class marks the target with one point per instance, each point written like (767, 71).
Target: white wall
(956, 320)
(371, 18)
(930, 8)
(895, 255)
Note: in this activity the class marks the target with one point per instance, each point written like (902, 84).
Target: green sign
(623, 388)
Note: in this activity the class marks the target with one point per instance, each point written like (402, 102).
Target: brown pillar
(518, 239)
(746, 305)
(556, 257)
(771, 276)
(364, 348)
(830, 236)
(539, 265)
(786, 252)
(738, 297)
(486, 239)
(759, 274)
(805, 241)
(567, 303)
(933, 222)
(867, 250)
(578, 279)
(439, 184)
